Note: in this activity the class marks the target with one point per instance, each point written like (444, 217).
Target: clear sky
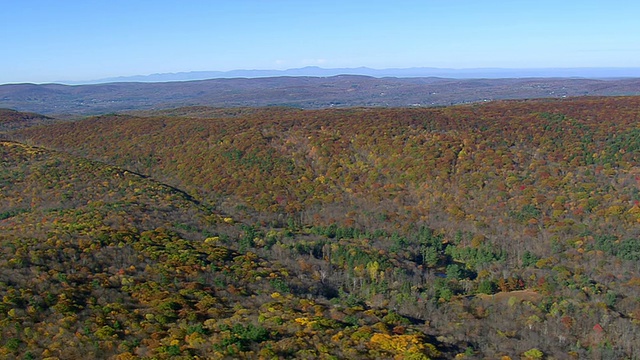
(48, 40)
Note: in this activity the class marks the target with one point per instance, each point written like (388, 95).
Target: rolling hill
(300, 92)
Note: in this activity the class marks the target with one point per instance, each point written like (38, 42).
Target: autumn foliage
(502, 229)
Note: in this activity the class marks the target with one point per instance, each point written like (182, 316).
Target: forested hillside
(502, 229)
(13, 120)
(98, 262)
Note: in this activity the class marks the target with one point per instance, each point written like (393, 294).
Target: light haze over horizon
(48, 41)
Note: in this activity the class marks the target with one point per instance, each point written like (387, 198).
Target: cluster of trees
(502, 229)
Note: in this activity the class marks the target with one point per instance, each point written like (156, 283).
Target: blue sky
(47, 40)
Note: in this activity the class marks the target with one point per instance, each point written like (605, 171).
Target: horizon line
(402, 72)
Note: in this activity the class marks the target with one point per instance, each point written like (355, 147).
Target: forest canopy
(509, 228)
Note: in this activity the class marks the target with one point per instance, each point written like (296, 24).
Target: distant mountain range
(478, 73)
(298, 91)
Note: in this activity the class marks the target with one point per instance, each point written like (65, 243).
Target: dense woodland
(507, 229)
